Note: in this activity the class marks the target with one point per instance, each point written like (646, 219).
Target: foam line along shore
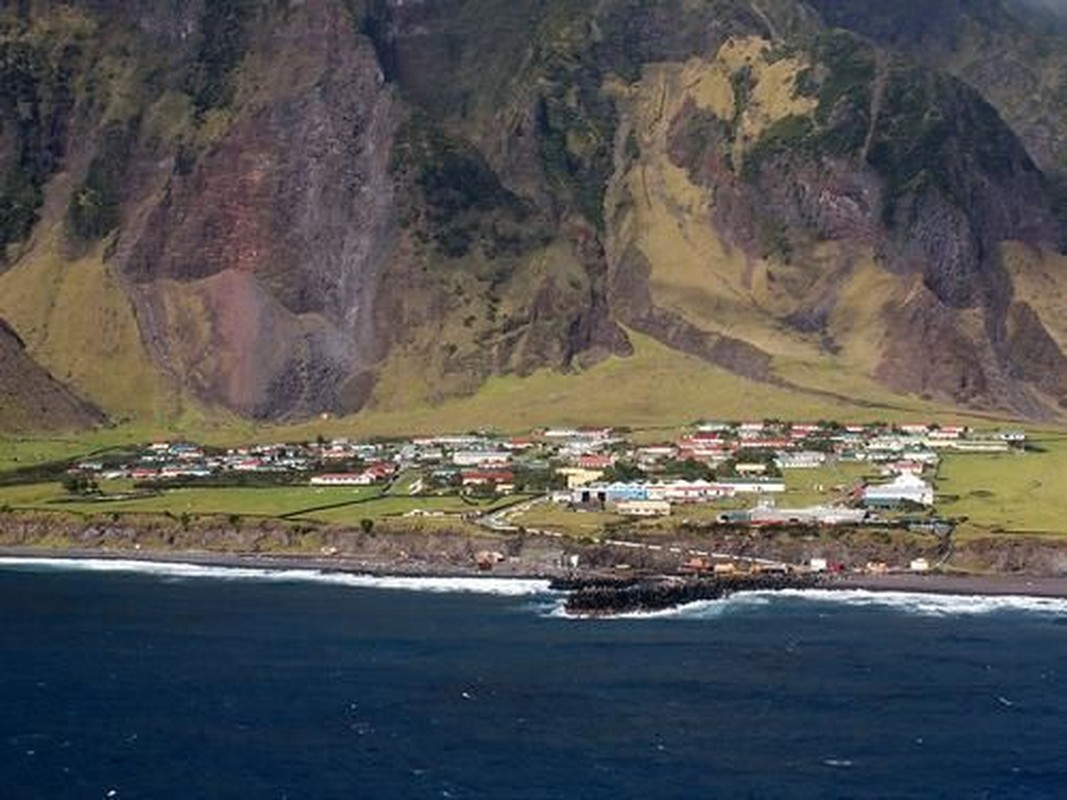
(588, 593)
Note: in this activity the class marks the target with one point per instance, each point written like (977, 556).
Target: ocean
(140, 681)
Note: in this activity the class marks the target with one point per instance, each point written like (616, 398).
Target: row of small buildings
(582, 458)
(656, 498)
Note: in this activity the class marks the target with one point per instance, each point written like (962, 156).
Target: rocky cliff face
(1011, 51)
(272, 240)
(314, 206)
(910, 167)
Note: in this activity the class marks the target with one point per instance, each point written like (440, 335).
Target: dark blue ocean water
(157, 686)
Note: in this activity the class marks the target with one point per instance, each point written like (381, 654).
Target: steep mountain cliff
(30, 399)
(1011, 51)
(287, 208)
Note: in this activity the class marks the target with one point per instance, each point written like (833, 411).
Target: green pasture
(550, 516)
(267, 502)
(1008, 493)
(405, 482)
(334, 505)
(655, 388)
(809, 487)
(654, 392)
(397, 506)
(18, 453)
(32, 496)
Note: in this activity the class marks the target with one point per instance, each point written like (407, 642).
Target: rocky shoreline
(590, 593)
(451, 546)
(597, 597)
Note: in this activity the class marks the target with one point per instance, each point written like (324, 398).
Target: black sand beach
(931, 583)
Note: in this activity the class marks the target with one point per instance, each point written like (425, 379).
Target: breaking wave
(918, 603)
(701, 609)
(506, 587)
(931, 605)
(921, 604)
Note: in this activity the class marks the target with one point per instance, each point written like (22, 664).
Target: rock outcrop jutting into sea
(288, 208)
(607, 597)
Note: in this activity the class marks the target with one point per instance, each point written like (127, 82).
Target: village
(754, 475)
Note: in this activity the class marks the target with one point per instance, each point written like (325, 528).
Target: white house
(802, 459)
(682, 491)
(757, 485)
(678, 491)
(643, 508)
(905, 488)
(1015, 436)
(579, 476)
(815, 515)
(481, 458)
(343, 479)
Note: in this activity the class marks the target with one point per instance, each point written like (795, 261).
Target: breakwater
(606, 597)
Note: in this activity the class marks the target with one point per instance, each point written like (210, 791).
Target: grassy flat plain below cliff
(1009, 494)
(656, 387)
(655, 392)
(334, 505)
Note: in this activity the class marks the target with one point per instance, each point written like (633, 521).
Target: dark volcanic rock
(295, 207)
(598, 597)
(1035, 354)
(30, 398)
(298, 196)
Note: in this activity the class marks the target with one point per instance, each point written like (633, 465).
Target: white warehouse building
(907, 488)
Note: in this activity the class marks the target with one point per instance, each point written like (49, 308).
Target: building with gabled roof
(905, 488)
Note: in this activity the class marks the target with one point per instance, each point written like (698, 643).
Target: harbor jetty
(610, 597)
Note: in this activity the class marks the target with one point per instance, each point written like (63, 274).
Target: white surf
(918, 603)
(507, 587)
